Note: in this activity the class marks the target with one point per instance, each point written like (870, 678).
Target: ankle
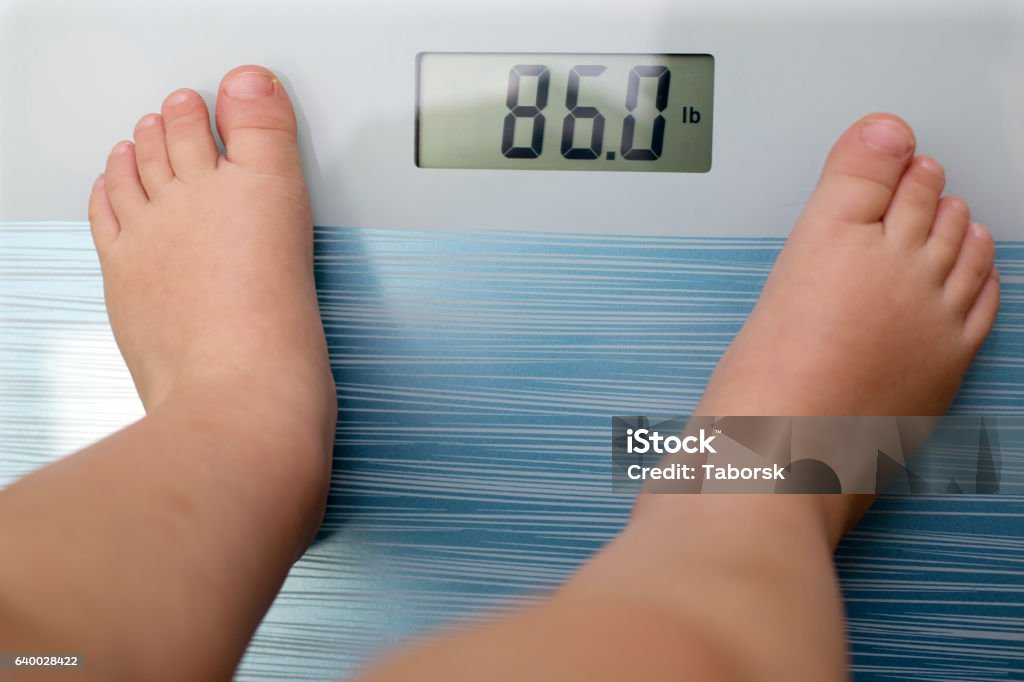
(283, 421)
(814, 518)
(273, 442)
(740, 566)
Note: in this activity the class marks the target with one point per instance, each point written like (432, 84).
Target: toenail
(931, 165)
(100, 181)
(978, 230)
(959, 205)
(177, 97)
(146, 121)
(249, 84)
(887, 136)
(121, 147)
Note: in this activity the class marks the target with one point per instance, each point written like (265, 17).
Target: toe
(863, 170)
(982, 314)
(190, 145)
(124, 188)
(102, 221)
(256, 121)
(151, 154)
(972, 268)
(911, 213)
(947, 234)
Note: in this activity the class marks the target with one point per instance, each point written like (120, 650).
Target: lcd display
(586, 112)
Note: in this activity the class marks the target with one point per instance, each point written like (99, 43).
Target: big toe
(863, 171)
(256, 121)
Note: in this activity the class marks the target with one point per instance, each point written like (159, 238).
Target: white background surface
(789, 77)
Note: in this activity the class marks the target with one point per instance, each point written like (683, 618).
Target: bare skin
(880, 284)
(195, 513)
(180, 528)
(878, 303)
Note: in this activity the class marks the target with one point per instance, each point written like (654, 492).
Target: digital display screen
(587, 112)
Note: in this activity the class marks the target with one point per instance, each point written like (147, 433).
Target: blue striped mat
(472, 366)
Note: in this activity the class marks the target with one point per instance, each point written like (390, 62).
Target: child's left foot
(154, 552)
(207, 259)
(208, 271)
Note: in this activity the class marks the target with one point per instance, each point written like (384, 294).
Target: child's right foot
(876, 306)
(880, 299)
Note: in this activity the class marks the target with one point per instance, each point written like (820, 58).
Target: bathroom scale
(530, 216)
(700, 117)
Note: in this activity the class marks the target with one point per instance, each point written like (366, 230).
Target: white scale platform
(789, 76)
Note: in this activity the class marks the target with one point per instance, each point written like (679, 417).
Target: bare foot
(207, 259)
(208, 274)
(876, 306)
(880, 299)
(196, 512)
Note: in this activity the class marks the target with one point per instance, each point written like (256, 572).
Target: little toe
(972, 268)
(102, 221)
(124, 188)
(151, 154)
(862, 171)
(982, 315)
(256, 121)
(190, 145)
(947, 234)
(912, 211)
